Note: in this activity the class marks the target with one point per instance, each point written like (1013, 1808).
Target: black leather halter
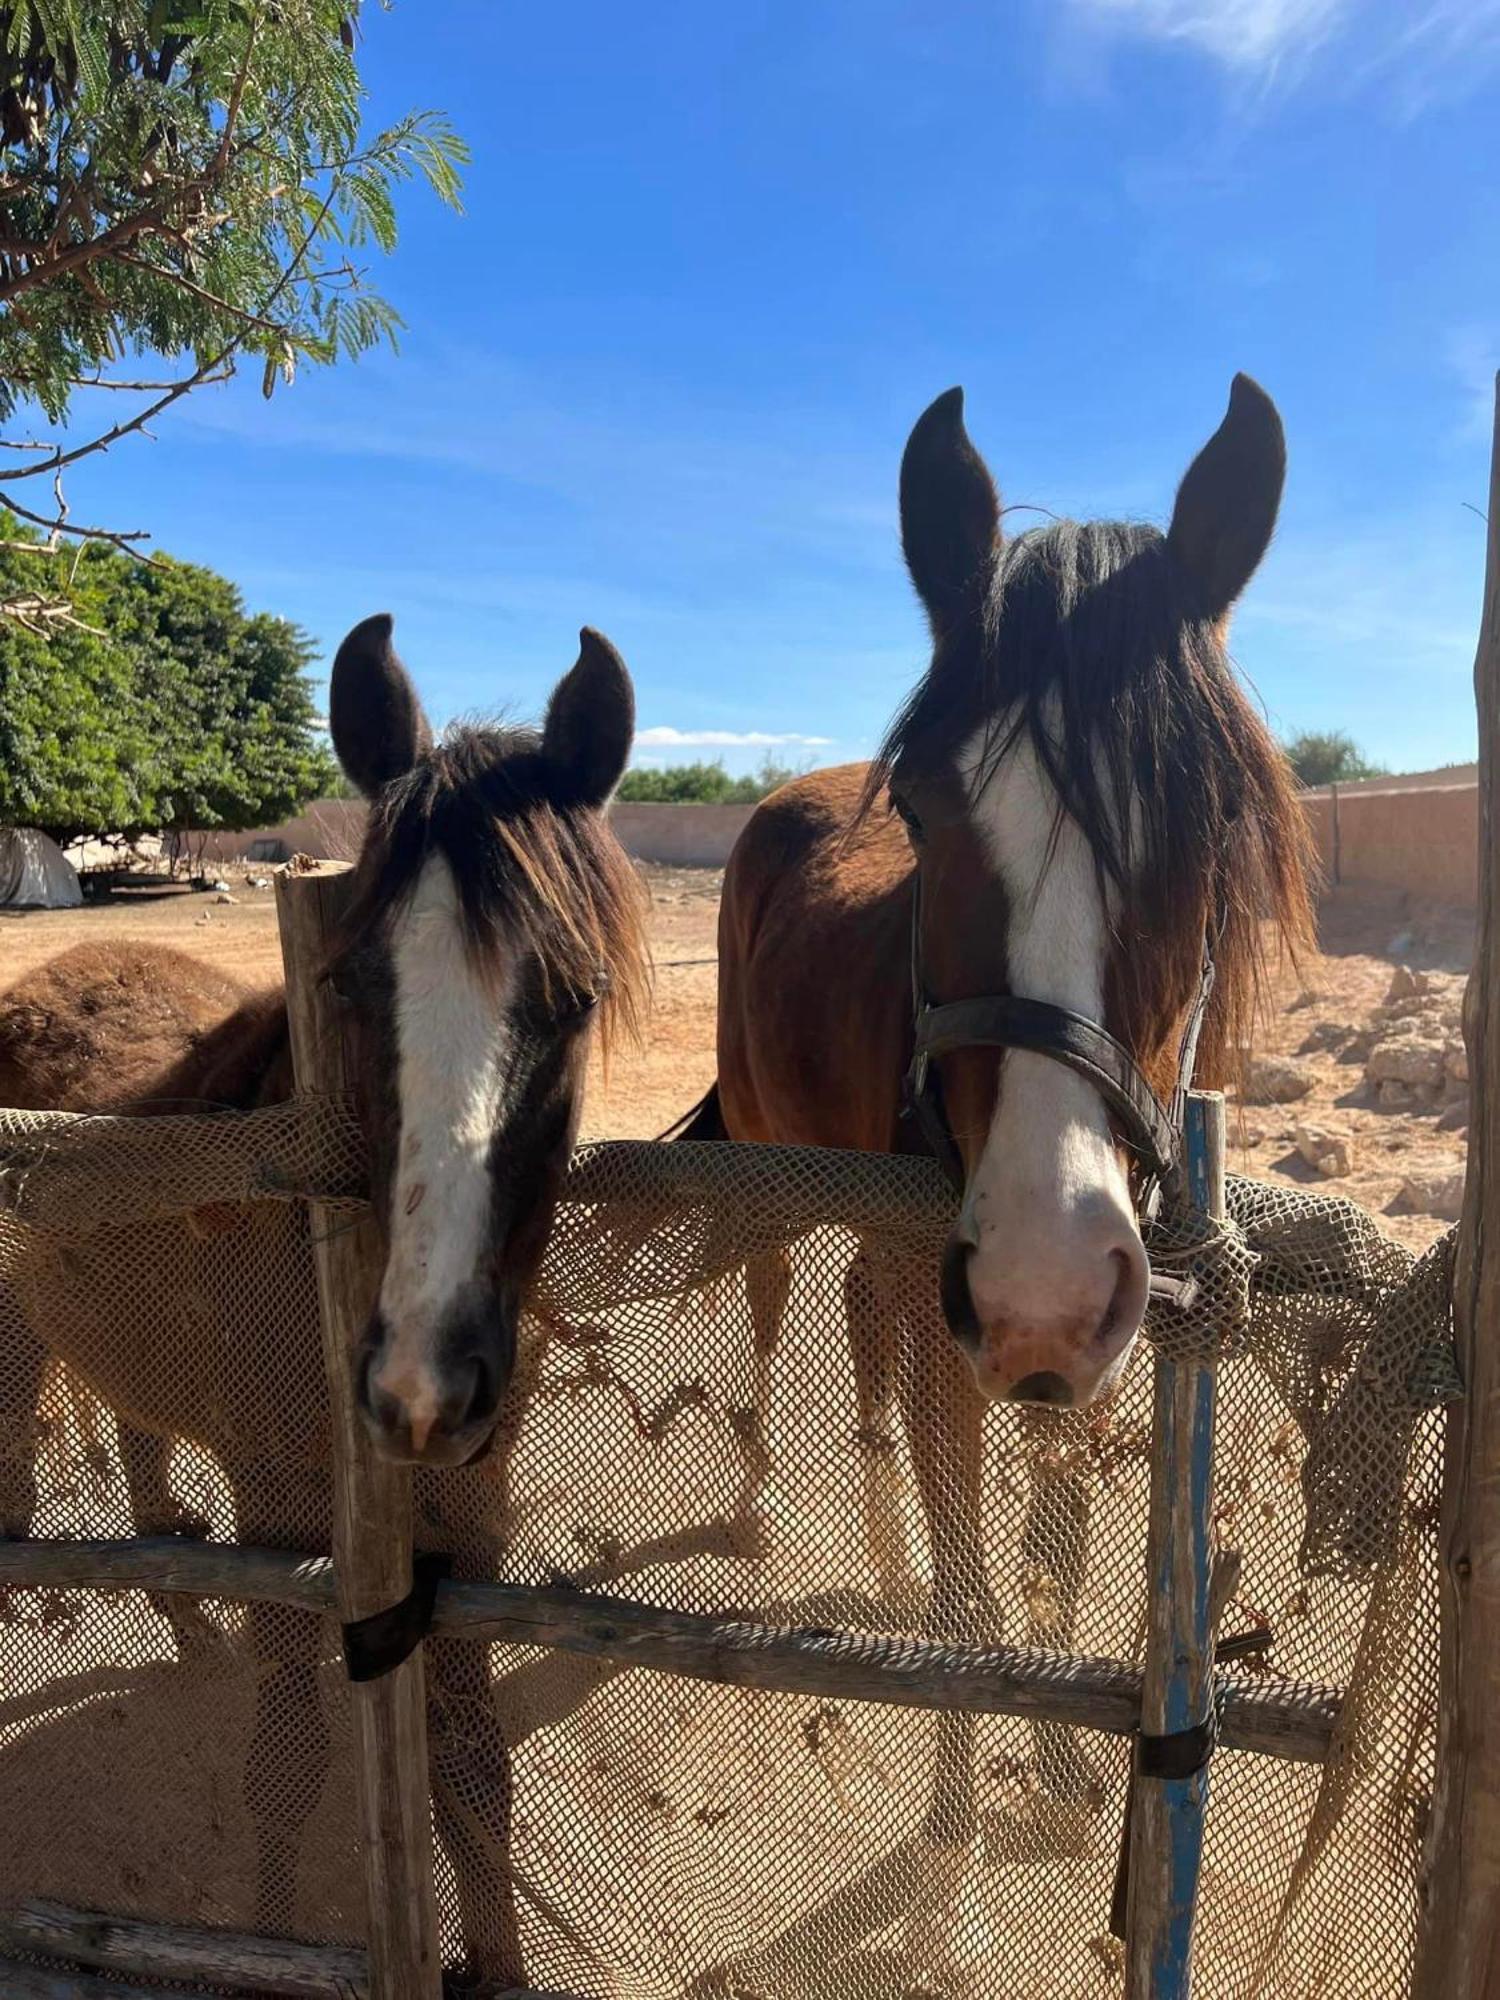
(1007, 1021)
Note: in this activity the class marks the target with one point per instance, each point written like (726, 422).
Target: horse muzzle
(1060, 1332)
(434, 1401)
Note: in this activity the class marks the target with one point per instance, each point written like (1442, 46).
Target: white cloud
(1245, 34)
(1435, 52)
(664, 737)
(1416, 54)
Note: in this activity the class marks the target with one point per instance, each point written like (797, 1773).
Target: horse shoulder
(812, 980)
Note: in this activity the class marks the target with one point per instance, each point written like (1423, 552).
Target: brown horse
(495, 923)
(1074, 802)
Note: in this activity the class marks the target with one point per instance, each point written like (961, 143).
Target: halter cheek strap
(1009, 1021)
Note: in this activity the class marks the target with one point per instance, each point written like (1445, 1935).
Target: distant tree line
(1318, 757)
(702, 784)
(1329, 757)
(161, 705)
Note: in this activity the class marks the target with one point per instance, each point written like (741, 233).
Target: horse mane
(528, 865)
(1085, 640)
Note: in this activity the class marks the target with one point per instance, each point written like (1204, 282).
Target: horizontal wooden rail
(179, 1952)
(56, 1982)
(1275, 1719)
(183, 1952)
(165, 1562)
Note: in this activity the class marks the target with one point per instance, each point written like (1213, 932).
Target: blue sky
(715, 261)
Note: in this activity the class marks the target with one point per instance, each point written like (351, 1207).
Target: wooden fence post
(1458, 1954)
(371, 1498)
(1167, 1814)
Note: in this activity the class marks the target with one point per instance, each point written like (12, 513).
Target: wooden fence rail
(1273, 1719)
(182, 1953)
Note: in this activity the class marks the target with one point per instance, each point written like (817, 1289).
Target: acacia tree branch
(46, 261)
(214, 369)
(58, 525)
(231, 116)
(132, 388)
(40, 614)
(174, 393)
(205, 297)
(44, 269)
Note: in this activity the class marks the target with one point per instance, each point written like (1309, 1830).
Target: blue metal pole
(1166, 1847)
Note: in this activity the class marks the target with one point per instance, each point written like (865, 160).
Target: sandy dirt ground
(1324, 1021)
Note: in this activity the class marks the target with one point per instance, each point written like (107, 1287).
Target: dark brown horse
(1083, 796)
(495, 923)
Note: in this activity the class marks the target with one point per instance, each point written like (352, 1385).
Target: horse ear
(1226, 505)
(374, 717)
(591, 722)
(950, 512)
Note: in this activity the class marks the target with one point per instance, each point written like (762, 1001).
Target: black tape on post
(378, 1644)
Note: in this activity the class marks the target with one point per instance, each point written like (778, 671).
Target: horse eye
(562, 1011)
(903, 811)
(355, 976)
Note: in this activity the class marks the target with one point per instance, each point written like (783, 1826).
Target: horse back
(814, 981)
(141, 1028)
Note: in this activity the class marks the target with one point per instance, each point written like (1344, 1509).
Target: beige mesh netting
(736, 1397)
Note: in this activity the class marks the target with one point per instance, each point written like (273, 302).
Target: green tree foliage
(184, 179)
(704, 784)
(1328, 757)
(160, 705)
(73, 752)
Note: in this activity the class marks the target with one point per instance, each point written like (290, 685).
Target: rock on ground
(1440, 1194)
(1331, 1152)
(1407, 1058)
(1276, 1080)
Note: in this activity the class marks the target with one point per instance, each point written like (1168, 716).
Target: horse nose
(423, 1414)
(1058, 1332)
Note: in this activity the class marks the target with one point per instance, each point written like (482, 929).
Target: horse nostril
(1045, 1386)
(483, 1394)
(1127, 1301)
(953, 1289)
(379, 1408)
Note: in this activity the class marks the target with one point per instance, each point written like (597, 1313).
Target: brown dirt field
(1364, 935)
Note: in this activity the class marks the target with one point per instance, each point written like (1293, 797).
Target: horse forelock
(1083, 648)
(537, 878)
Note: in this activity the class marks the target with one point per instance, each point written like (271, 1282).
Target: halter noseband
(1007, 1021)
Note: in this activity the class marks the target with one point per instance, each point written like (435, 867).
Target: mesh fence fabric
(735, 1396)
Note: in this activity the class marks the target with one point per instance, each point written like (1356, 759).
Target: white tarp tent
(35, 873)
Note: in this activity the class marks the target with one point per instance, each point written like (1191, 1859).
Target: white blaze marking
(1048, 1192)
(452, 1036)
